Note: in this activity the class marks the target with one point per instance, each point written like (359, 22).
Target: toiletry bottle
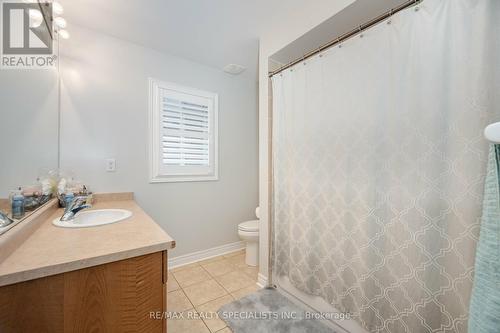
(68, 199)
(18, 205)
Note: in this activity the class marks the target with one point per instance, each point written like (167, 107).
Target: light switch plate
(110, 165)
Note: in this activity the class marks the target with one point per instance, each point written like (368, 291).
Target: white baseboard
(205, 254)
(261, 280)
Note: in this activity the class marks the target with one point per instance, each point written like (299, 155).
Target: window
(183, 133)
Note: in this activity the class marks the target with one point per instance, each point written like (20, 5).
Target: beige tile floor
(198, 290)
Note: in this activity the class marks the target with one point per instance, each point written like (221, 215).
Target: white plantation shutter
(184, 128)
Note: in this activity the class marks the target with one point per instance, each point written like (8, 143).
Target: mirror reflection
(29, 140)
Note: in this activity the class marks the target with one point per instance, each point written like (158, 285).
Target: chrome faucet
(74, 207)
(4, 220)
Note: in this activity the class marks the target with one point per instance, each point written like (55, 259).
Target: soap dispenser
(18, 205)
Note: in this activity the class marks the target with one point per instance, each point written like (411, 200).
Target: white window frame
(155, 173)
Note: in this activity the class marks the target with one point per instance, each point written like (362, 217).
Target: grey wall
(28, 126)
(104, 107)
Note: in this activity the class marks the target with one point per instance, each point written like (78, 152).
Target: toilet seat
(249, 226)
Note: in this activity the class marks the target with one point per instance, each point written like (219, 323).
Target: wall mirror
(29, 115)
(28, 138)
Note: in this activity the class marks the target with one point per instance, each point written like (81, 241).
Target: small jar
(17, 205)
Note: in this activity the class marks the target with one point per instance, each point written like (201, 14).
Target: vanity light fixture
(60, 22)
(57, 8)
(64, 34)
(36, 18)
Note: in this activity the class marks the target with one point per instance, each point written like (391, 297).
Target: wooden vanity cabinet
(122, 296)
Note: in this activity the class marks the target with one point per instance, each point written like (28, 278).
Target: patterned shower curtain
(379, 165)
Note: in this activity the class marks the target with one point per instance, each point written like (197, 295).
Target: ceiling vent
(234, 69)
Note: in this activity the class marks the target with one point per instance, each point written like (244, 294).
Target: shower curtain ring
(338, 42)
(389, 21)
(360, 32)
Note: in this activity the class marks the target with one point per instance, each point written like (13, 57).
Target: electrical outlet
(110, 165)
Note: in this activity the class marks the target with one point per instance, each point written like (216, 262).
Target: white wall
(290, 26)
(28, 126)
(105, 115)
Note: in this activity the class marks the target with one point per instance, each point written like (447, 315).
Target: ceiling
(214, 32)
(211, 32)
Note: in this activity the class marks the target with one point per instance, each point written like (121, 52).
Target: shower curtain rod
(349, 34)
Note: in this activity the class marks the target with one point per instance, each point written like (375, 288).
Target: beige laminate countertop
(51, 250)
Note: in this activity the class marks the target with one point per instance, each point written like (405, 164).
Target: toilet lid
(249, 226)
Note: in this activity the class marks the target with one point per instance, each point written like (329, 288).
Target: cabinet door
(116, 297)
(33, 306)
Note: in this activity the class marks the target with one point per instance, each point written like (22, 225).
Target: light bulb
(64, 34)
(57, 8)
(35, 14)
(60, 22)
(36, 18)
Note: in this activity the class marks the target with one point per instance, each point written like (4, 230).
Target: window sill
(177, 179)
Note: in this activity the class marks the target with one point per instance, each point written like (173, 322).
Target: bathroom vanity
(110, 278)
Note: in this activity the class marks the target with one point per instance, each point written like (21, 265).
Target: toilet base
(252, 254)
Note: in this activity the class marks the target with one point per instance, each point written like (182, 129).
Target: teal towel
(485, 301)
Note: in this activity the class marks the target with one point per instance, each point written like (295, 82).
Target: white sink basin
(93, 218)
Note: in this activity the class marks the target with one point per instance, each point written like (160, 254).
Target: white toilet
(249, 232)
